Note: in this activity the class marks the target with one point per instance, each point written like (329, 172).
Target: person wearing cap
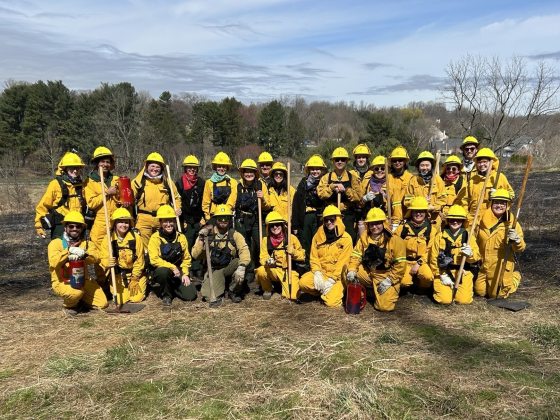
(127, 258)
(495, 234)
(449, 247)
(486, 164)
(221, 188)
(339, 186)
(361, 165)
(229, 258)
(152, 190)
(330, 252)
(418, 233)
(399, 177)
(379, 260)
(250, 189)
(427, 184)
(469, 148)
(454, 180)
(265, 162)
(72, 246)
(278, 190)
(274, 251)
(64, 194)
(307, 207)
(191, 188)
(169, 254)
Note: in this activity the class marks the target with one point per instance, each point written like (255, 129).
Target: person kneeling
(169, 255)
(274, 258)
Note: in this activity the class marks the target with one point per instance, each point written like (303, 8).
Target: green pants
(171, 286)
(219, 280)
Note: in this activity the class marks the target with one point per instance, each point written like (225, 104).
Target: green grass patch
(87, 323)
(388, 338)
(61, 367)
(118, 357)
(6, 373)
(546, 335)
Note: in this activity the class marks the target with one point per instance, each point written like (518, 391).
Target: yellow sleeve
(398, 263)
(207, 199)
(47, 202)
(344, 256)
(263, 253)
(299, 252)
(324, 191)
(441, 193)
(266, 205)
(434, 252)
(242, 249)
(175, 193)
(186, 264)
(197, 250)
(357, 254)
(353, 193)
(57, 255)
(104, 253)
(314, 260)
(154, 252)
(476, 251)
(232, 199)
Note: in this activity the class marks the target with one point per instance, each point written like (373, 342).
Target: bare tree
(501, 100)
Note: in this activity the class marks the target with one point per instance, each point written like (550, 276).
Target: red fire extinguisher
(76, 273)
(355, 298)
(125, 190)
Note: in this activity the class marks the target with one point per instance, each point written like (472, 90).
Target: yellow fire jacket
(127, 258)
(279, 202)
(330, 258)
(399, 187)
(439, 244)
(156, 193)
(349, 198)
(208, 204)
(418, 240)
(239, 248)
(279, 253)
(58, 258)
(53, 196)
(154, 252)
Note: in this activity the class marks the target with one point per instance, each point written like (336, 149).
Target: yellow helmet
(454, 160)
(340, 152)
(418, 203)
(399, 152)
(166, 212)
(279, 166)
(70, 159)
(221, 158)
(378, 161)
(74, 216)
(155, 157)
(121, 214)
(457, 212)
(274, 217)
(331, 210)
(100, 152)
(361, 149)
(248, 164)
(425, 155)
(222, 210)
(191, 160)
(501, 194)
(375, 215)
(265, 157)
(469, 140)
(315, 161)
(485, 152)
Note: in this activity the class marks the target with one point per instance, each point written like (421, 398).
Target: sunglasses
(275, 174)
(329, 219)
(73, 226)
(451, 169)
(340, 160)
(222, 219)
(378, 169)
(398, 160)
(469, 148)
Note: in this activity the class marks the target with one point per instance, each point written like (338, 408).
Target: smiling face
(375, 228)
(191, 170)
(122, 226)
(454, 224)
(452, 169)
(73, 171)
(248, 175)
(398, 164)
(469, 151)
(154, 169)
(424, 167)
(378, 172)
(167, 225)
(361, 160)
(340, 163)
(106, 164)
(221, 169)
(499, 207)
(418, 216)
(315, 172)
(483, 164)
(74, 230)
(278, 176)
(329, 222)
(275, 228)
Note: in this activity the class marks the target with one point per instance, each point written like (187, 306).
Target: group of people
(377, 224)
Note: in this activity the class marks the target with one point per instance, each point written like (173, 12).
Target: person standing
(265, 162)
(221, 188)
(399, 177)
(455, 182)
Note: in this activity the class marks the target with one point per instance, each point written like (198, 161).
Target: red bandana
(189, 181)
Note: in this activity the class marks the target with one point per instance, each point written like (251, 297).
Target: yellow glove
(133, 286)
(41, 232)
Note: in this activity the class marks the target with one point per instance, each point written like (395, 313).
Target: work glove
(369, 196)
(351, 276)
(133, 286)
(445, 279)
(239, 275)
(270, 263)
(41, 233)
(513, 236)
(203, 232)
(394, 226)
(384, 286)
(318, 281)
(111, 262)
(72, 257)
(466, 250)
(76, 250)
(329, 283)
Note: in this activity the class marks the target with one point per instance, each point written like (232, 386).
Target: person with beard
(249, 190)
(361, 155)
(72, 246)
(330, 252)
(418, 234)
(427, 184)
(169, 254)
(220, 188)
(152, 190)
(63, 194)
(495, 234)
(398, 178)
(191, 188)
(469, 148)
(278, 190)
(265, 162)
(307, 206)
(454, 180)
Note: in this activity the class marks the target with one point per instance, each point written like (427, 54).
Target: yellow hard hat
(331, 210)
(453, 160)
(121, 214)
(100, 152)
(265, 157)
(361, 149)
(315, 161)
(70, 159)
(399, 152)
(221, 158)
(457, 212)
(469, 140)
(191, 160)
(418, 203)
(166, 212)
(279, 166)
(501, 194)
(425, 155)
(222, 210)
(375, 215)
(248, 164)
(378, 161)
(340, 152)
(74, 216)
(155, 157)
(485, 152)
(274, 217)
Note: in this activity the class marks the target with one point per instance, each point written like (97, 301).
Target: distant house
(445, 144)
(522, 145)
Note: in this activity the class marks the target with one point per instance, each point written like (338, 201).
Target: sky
(383, 53)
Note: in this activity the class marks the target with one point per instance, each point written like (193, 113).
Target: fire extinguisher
(76, 274)
(355, 298)
(125, 190)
